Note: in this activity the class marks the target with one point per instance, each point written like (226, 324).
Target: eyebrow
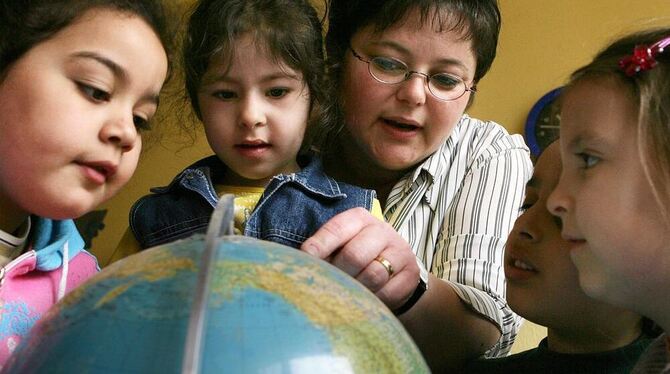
(402, 49)
(116, 69)
(586, 138)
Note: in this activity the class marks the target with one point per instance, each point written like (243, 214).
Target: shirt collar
(12, 246)
(433, 169)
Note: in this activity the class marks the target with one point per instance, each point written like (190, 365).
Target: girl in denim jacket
(254, 77)
(78, 81)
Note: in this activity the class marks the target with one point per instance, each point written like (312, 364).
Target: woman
(451, 186)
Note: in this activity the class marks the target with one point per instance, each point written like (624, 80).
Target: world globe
(268, 309)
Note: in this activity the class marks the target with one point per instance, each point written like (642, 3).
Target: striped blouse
(456, 210)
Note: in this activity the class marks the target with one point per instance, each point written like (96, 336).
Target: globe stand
(220, 225)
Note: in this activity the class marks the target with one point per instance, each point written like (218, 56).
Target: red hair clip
(643, 57)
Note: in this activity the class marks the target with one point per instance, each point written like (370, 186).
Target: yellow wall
(542, 41)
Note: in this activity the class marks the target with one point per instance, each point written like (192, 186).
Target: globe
(269, 309)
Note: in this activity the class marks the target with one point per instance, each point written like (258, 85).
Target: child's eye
(525, 206)
(529, 199)
(94, 93)
(224, 95)
(277, 92)
(142, 123)
(588, 161)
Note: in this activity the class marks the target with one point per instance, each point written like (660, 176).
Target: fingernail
(310, 248)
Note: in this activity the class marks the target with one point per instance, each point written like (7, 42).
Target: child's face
(542, 281)
(396, 126)
(616, 233)
(68, 114)
(255, 113)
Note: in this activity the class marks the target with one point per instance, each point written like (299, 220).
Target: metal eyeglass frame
(409, 73)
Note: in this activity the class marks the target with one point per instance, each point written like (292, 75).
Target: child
(254, 73)
(614, 192)
(583, 335)
(78, 81)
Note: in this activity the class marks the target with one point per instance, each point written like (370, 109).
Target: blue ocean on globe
(270, 309)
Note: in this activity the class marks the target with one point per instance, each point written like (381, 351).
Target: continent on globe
(270, 309)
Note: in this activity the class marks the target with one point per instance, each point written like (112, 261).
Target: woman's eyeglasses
(388, 70)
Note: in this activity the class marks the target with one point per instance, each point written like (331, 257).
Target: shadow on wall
(90, 224)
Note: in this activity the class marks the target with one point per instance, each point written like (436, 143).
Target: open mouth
(522, 265)
(401, 125)
(517, 270)
(101, 170)
(252, 147)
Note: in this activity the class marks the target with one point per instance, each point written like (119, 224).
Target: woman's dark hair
(26, 23)
(477, 21)
(289, 30)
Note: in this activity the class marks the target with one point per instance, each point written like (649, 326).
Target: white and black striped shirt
(457, 209)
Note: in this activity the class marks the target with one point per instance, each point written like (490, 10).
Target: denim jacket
(290, 210)
(179, 209)
(294, 206)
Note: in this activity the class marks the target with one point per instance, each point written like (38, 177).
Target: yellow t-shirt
(377, 210)
(245, 200)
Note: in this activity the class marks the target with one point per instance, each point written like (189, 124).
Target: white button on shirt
(456, 210)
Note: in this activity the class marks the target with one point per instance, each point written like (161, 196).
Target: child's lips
(517, 263)
(573, 240)
(98, 171)
(253, 143)
(252, 148)
(517, 269)
(574, 244)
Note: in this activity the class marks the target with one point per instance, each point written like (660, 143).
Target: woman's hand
(358, 243)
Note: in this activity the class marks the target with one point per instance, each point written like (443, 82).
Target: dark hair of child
(289, 30)
(23, 24)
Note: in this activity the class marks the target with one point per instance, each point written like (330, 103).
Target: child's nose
(557, 202)
(120, 131)
(524, 227)
(252, 113)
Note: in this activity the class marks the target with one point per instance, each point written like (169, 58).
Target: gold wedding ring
(386, 264)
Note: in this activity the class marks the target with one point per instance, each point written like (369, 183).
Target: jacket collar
(198, 177)
(313, 178)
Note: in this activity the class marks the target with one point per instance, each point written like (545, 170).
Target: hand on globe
(369, 250)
